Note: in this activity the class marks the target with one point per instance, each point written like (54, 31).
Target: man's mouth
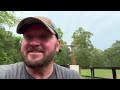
(35, 52)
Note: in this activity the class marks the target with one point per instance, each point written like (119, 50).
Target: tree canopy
(9, 44)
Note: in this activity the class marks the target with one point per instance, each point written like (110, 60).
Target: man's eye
(28, 38)
(45, 36)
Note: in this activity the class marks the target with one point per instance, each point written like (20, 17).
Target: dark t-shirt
(18, 71)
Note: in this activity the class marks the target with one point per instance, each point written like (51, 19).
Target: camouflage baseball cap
(26, 22)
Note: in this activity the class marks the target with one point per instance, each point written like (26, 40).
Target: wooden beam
(73, 61)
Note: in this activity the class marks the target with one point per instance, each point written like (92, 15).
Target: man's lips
(35, 52)
(35, 49)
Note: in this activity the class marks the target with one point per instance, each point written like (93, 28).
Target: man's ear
(58, 46)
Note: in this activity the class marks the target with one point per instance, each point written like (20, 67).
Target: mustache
(35, 48)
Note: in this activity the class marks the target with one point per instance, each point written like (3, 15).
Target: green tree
(7, 18)
(113, 54)
(98, 58)
(63, 57)
(9, 47)
(8, 42)
(83, 51)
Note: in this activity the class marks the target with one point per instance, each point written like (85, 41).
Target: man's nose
(35, 42)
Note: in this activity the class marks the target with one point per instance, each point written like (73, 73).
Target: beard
(44, 62)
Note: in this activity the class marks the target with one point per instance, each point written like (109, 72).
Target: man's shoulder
(66, 72)
(7, 71)
(10, 65)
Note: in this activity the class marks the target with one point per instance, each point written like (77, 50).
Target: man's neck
(41, 73)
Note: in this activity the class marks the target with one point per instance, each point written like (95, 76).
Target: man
(38, 48)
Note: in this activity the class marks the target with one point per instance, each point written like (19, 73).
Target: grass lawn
(103, 73)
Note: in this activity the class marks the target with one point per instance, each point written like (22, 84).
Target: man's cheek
(24, 48)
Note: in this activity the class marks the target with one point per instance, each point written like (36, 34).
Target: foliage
(9, 47)
(63, 57)
(83, 51)
(113, 54)
(98, 58)
(7, 18)
(9, 44)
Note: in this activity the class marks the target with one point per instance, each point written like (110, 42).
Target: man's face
(39, 46)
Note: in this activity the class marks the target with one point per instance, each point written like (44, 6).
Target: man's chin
(33, 63)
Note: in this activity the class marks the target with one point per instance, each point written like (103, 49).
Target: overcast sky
(105, 25)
